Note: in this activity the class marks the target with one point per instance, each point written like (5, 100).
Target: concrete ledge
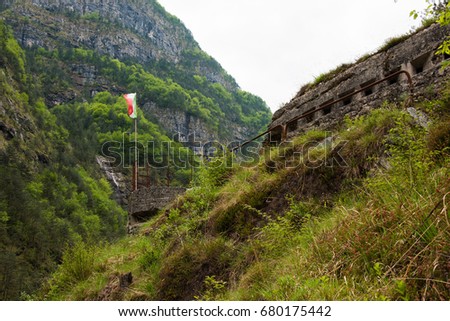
(416, 55)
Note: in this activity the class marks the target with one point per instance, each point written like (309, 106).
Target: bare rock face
(193, 130)
(117, 180)
(135, 16)
(351, 92)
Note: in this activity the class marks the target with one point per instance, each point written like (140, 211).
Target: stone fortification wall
(146, 202)
(416, 55)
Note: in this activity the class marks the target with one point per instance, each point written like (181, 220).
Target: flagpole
(132, 112)
(135, 156)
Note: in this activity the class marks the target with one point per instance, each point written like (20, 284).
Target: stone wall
(146, 202)
(416, 55)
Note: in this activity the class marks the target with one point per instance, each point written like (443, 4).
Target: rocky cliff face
(137, 20)
(190, 129)
(139, 31)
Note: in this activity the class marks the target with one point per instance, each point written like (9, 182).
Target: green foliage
(213, 289)
(216, 171)
(78, 264)
(402, 291)
(93, 16)
(42, 215)
(440, 13)
(10, 53)
(149, 258)
(105, 121)
(330, 75)
(401, 192)
(52, 193)
(439, 138)
(392, 42)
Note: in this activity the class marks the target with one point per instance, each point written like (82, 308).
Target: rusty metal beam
(134, 183)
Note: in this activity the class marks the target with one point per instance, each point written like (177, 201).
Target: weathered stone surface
(416, 55)
(191, 129)
(146, 202)
(419, 117)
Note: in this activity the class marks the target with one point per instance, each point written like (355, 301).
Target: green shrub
(149, 258)
(438, 139)
(79, 262)
(213, 289)
(183, 274)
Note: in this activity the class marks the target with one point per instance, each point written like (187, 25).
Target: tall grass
(388, 239)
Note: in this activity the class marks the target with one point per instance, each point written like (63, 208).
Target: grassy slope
(365, 217)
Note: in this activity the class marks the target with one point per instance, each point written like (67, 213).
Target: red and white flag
(131, 102)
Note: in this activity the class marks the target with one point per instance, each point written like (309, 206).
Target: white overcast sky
(272, 47)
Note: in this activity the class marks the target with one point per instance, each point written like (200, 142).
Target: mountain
(119, 46)
(64, 66)
(361, 214)
(353, 206)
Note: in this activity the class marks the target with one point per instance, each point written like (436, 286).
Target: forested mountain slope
(49, 197)
(81, 47)
(64, 66)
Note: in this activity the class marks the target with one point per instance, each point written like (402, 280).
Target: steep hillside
(184, 89)
(361, 213)
(64, 66)
(54, 193)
